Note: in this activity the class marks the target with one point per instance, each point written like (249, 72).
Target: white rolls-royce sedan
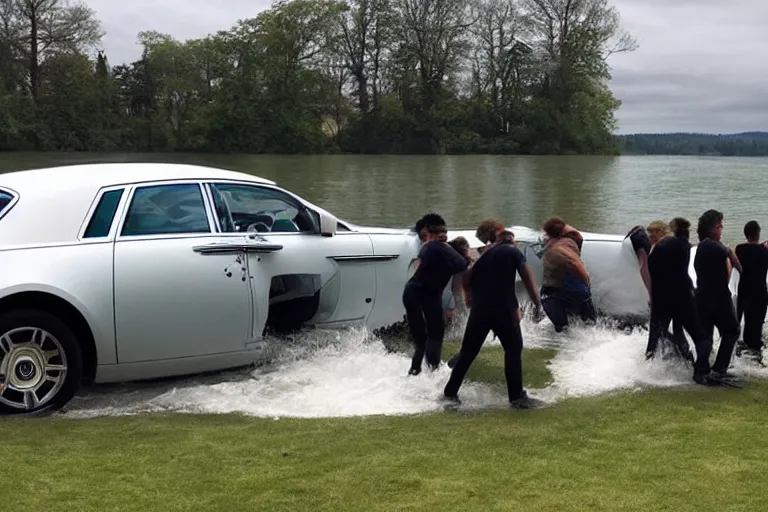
(118, 272)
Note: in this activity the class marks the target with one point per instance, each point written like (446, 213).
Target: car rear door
(174, 298)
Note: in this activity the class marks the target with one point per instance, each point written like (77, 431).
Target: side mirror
(328, 224)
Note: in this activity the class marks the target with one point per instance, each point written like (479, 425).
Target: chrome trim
(365, 257)
(228, 247)
(124, 214)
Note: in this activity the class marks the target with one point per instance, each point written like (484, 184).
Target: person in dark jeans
(422, 297)
(565, 290)
(713, 297)
(752, 302)
(672, 296)
(495, 307)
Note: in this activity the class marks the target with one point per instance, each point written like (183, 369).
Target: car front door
(174, 299)
(297, 276)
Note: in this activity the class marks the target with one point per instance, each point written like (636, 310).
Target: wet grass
(662, 450)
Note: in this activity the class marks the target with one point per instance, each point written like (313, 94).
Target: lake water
(602, 194)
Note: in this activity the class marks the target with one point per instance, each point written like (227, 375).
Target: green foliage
(306, 76)
(739, 144)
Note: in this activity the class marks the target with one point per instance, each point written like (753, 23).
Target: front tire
(41, 364)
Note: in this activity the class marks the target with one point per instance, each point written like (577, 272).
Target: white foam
(347, 373)
(353, 376)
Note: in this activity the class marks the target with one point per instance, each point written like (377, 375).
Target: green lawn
(677, 450)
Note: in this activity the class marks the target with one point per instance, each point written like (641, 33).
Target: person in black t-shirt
(422, 297)
(643, 241)
(641, 244)
(672, 296)
(713, 297)
(752, 302)
(495, 307)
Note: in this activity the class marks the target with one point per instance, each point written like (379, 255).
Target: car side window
(261, 209)
(5, 199)
(166, 209)
(104, 214)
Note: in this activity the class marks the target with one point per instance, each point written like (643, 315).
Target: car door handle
(238, 246)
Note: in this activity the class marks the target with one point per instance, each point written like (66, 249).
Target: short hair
(554, 227)
(486, 231)
(506, 236)
(707, 223)
(680, 226)
(460, 245)
(436, 229)
(433, 219)
(658, 225)
(752, 230)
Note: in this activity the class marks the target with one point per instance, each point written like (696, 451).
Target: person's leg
(433, 315)
(661, 315)
(724, 317)
(754, 316)
(511, 339)
(555, 308)
(416, 325)
(687, 313)
(474, 335)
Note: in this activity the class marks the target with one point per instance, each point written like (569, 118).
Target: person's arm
(733, 261)
(642, 256)
(519, 265)
(456, 261)
(526, 274)
(449, 304)
(575, 265)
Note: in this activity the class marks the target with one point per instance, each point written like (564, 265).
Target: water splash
(350, 373)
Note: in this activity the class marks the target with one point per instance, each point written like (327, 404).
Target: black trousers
(718, 311)
(681, 309)
(676, 338)
(753, 310)
(426, 322)
(479, 324)
(559, 305)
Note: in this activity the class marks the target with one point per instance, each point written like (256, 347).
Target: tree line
(736, 144)
(306, 76)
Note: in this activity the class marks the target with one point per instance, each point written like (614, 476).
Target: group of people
(663, 250)
(488, 285)
(446, 268)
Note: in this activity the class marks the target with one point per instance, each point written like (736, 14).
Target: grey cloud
(700, 64)
(698, 68)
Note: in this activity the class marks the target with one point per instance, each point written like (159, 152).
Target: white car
(118, 272)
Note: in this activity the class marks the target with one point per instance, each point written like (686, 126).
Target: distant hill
(732, 144)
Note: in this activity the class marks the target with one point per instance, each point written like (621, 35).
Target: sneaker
(701, 378)
(414, 371)
(449, 401)
(723, 376)
(526, 402)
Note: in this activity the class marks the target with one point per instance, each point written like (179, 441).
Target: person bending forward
(422, 298)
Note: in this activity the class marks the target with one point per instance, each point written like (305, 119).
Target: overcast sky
(700, 66)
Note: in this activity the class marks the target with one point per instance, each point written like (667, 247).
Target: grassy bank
(677, 450)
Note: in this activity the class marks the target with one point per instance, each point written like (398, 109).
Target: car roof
(109, 174)
(53, 202)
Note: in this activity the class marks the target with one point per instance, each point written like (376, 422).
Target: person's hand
(538, 313)
(449, 315)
